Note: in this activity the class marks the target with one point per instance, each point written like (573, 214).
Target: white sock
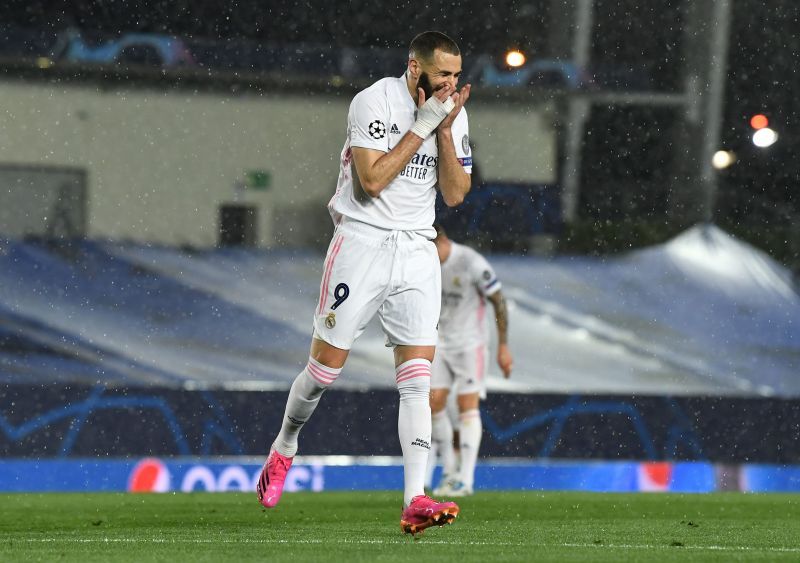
(414, 423)
(431, 466)
(470, 430)
(304, 395)
(442, 438)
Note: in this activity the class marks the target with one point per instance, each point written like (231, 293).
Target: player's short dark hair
(424, 44)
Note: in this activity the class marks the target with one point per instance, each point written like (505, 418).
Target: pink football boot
(424, 512)
(270, 484)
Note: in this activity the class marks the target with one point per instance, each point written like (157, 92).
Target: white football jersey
(379, 116)
(467, 279)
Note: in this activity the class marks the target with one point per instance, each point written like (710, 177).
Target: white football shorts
(461, 370)
(369, 270)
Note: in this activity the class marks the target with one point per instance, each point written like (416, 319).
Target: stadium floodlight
(515, 58)
(764, 137)
(722, 159)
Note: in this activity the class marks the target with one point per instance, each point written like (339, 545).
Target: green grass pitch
(364, 526)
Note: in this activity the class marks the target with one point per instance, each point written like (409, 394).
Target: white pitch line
(406, 540)
(258, 541)
(697, 547)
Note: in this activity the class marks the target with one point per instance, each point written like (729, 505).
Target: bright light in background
(722, 159)
(515, 58)
(759, 121)
(764, 137)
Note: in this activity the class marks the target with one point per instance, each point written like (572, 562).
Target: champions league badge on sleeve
(377, 130)
(465, 144)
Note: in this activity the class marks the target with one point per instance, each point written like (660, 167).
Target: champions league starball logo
(377, 130)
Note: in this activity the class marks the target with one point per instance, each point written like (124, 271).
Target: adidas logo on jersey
(394, 130)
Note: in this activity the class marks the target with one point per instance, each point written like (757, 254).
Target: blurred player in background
(461, 358)
(405, 136)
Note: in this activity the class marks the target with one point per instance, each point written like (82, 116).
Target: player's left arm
(454, 181)
(504, 359)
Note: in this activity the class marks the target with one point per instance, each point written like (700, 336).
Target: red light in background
(759, 121)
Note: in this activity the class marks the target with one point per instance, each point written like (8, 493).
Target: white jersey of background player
(468, 281)
(401, 144)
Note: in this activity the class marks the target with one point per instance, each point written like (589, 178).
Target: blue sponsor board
(63, 475)
(319, 474)
(769, 478)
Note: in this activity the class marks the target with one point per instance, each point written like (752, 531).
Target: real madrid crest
(330, 320)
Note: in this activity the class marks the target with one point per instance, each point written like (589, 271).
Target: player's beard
(424, 82)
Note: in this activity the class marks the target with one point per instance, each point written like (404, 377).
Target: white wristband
(430, 115)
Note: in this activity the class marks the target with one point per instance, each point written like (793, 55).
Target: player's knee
(468, 402)
(438, 400)
(318, 377)
(327, 355)
(414, 379)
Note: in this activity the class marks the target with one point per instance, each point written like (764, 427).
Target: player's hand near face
(441, 94)
(504, 360)
(459, 98)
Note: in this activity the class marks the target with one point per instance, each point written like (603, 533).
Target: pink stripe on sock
(329, 371)
(420, 365)
(413, 377)
(469, 414)
(316, 378)
(323, 368)
(413, 367)
(326, 279)
(321, 375)
(412, 373)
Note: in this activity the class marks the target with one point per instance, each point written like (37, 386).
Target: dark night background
(628, 152)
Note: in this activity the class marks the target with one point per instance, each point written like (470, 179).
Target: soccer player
(406, 136)
(460, 363)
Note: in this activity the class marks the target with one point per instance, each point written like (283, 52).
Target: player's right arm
(504, 359)
(376, 168)
(489, 286)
